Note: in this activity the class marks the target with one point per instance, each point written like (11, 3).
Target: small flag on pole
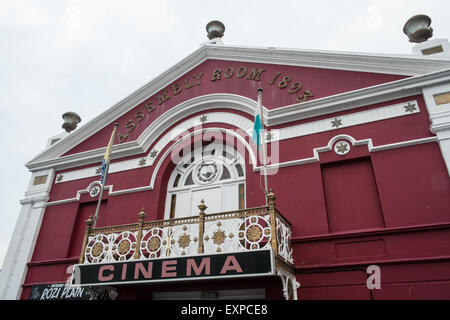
(258, 137)
(104, 172)
(257, 127)
(106, 158)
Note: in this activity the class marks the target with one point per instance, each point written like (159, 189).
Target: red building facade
(357, 160)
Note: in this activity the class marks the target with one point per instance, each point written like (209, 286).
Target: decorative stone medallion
(207, 171)
(410, 107)
(342, 147)
(95, 190)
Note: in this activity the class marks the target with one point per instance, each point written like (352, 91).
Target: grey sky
(85, 56)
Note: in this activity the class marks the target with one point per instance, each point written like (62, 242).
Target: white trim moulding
(314, 158)
(332, 60)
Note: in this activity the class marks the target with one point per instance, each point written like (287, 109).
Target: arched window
(213, 173)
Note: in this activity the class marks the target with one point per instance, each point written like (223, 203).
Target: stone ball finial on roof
(215, 29)
(71, 120)
(418, 29)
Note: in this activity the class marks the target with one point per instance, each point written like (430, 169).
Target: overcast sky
(85, 56)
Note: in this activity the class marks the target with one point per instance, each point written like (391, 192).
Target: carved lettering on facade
(228, 73)
(255, 74)
(241, 72)
(121, 137)
(176, 89)
(130, 125)
(150, 108)
(216, 74)
(163, 97)
(139, 116)
(277, 80)
(295, 87)
(284, 83)
(187, 85)
(302, 98)
(197, 78)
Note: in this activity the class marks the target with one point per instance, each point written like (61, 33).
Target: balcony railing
(234, 231)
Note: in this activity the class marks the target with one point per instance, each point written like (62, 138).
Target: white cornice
(332, 60)
(409, 65)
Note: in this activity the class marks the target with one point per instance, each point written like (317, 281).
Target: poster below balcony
(58, 291)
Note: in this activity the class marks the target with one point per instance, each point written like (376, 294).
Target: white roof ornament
(418, 28)
(215, 31)
(71, 120)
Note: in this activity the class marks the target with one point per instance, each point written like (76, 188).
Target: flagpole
(263, 142)
(108, 151)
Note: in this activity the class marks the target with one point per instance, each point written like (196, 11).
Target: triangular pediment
(290, 79)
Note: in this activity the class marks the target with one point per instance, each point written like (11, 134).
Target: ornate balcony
(226, 232)
(259, 230)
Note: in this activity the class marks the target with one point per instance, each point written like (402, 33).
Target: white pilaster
(25, 234)
(440, 118)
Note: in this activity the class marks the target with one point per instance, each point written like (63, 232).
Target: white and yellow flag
(106, 158)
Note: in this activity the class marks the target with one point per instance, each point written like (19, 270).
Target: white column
(25, 234)
(440, 118)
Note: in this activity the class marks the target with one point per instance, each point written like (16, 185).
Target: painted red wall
(414, 194)
(428, 280)
(351, 195)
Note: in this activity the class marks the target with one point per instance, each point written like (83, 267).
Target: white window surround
(189, 180)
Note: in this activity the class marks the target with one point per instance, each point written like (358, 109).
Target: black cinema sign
(258, 262)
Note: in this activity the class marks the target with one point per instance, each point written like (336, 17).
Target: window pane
(241, 197)
(189, 180)
(227, 155)
(177, 179)
(239, 170)
(173, 202)
(226, 174)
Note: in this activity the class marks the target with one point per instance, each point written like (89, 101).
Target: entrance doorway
(243, 294)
